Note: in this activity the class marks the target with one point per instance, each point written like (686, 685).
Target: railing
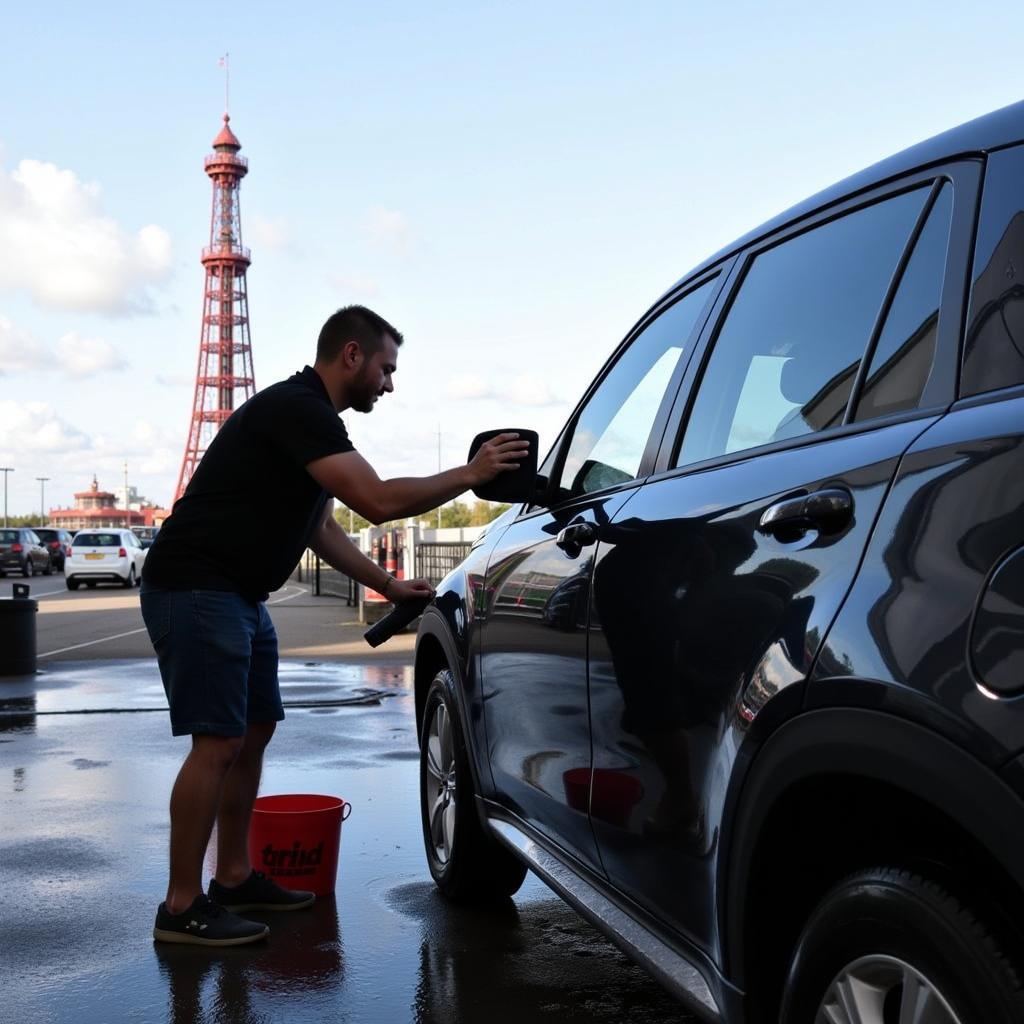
(325, 581)
(226, 252)
(226, 158)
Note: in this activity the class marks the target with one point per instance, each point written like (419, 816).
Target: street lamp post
(42, 499)
(5, 470)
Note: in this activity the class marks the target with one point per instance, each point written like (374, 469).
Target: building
(96, 508)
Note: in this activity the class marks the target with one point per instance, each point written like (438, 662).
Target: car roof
(993, 131)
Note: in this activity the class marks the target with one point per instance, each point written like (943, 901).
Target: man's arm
(331, 543)
(350, 478)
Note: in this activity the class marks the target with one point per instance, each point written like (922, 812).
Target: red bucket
(294, 839)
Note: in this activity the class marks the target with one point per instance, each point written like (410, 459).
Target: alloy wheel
(440, 783)
(883, 990)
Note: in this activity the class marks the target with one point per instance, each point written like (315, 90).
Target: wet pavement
(86, 767)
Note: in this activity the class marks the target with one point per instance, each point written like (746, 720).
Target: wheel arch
(839, 789)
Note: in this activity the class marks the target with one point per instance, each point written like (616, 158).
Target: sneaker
(206, 923)
(258, 892)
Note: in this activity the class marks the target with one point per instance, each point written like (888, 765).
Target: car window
(786, 356)
(97, 540)
(33, 537)
(994, 347)
(905, 348)
(8, 536)
(46, 535)
(612, 429)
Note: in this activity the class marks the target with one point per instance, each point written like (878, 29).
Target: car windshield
(8, 536)
(97, 540)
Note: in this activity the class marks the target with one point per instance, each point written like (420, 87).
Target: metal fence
(324, 581)
(435, 561)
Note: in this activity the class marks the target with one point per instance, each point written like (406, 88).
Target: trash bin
(18, 633)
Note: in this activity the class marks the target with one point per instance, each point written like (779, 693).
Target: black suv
(741, 675)
(56, 542)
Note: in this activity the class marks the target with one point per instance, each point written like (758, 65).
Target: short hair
(353, 323)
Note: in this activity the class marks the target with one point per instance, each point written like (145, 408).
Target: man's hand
(500, 454)
(408, 590)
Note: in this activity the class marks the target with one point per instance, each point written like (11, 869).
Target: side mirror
(514, 485)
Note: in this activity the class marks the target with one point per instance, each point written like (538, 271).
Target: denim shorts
(217, 653)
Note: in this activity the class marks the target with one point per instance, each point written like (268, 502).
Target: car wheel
(73, 584)
(28, 569)
(130, 581)
(888, 945)
(48, 571)
(465, 861)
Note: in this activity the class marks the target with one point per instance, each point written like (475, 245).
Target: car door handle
(828, 510)
(574, 538)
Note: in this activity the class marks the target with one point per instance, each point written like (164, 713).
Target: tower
(224, 370)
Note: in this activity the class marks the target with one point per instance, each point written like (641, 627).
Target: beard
(363, 394)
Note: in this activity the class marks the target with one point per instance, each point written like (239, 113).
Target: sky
(510, 184)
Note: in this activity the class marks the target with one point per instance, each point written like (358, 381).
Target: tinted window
(46, 535)
(785, 359)
(97, 540)
(612, 430)
(903, 354)
(8, 536)
(994, 350)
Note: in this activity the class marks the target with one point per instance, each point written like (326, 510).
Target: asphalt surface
(86, 766)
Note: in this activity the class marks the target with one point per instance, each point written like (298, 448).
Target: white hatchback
(104, 556)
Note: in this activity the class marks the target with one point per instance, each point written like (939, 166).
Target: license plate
(93, 554)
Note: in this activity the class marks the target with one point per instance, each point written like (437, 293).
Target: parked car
(109, 555)
(56, 542)
(146, 534)
(21, 551)
(780, 758)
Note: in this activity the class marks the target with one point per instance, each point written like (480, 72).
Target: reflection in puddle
(303, 956)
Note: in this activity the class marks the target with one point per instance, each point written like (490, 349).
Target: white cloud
(35, 427)
(388, 228)
(524, 390)
(20, 350)
(355, 284)
(84, 357)
(533, 392)
(174, 380)
(57, 244)
(268, 232)
(469, 385)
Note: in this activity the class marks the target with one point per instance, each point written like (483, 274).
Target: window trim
(717, 275)
(940, 388)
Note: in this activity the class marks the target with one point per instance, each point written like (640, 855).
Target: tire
(72, 584)
(48, 571)
(895, 937)
(466, 862)
(28, 569)
(130, 581)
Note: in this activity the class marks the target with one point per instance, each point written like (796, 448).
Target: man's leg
(237, 796)
(196, 795)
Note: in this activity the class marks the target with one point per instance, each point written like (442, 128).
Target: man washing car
(268, 478)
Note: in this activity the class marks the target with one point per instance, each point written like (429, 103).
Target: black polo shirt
(250, 508)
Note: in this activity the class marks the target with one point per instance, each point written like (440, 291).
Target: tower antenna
(225, 63)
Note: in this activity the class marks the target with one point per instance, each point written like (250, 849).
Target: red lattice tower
(224, 376)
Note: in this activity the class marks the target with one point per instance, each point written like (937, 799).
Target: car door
(533, 647)
(714, 586)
